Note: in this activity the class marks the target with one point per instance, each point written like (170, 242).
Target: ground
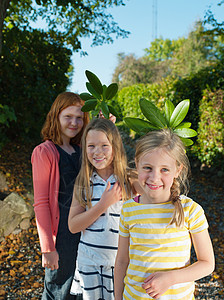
(20, 257)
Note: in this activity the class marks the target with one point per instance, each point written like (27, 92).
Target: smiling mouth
(99, 159)
(153, 187)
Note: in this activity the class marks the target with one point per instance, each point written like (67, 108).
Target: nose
(97, 150)
(74, 121)
(155, 175)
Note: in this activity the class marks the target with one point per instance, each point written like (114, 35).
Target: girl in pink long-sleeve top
(55, 164)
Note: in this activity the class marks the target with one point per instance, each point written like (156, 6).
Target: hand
(111, 196)
(50, 260)
(111, 117)
(157, 284)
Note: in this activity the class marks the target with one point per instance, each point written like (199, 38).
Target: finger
(108, 186)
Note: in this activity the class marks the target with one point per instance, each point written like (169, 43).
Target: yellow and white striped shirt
(155, 246)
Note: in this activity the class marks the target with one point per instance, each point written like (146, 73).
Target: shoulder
(129, 204)
(45, 149)
(189, 204)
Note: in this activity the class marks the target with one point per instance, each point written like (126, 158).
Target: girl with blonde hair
(157, 227)
(99, 189)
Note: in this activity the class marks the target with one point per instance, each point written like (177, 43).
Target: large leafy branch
(172, 117)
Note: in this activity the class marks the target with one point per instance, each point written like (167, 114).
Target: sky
(175, 19)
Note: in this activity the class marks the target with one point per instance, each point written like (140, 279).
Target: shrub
(34, 70)
(209, 146)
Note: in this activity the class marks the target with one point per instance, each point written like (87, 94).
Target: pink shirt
(46, 180)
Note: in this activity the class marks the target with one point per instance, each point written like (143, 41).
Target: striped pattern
(98, 248)
(155, 246)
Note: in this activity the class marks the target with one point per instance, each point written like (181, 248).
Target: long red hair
(51, 129)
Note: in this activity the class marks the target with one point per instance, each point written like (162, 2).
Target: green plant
(171, 118)
(210, 142)
(95, 100)
(7, 115)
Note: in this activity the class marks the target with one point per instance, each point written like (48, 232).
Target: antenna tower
(154, 19)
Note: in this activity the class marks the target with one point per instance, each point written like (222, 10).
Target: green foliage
(131, 71)
(34, 70)
(71, 20)
(171, 118)
(161, 49)
(192, 88)
(7, 115)
(99, 95)
(210, 142)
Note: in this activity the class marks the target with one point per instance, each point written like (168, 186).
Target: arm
(121, 264)
(79, 219)
(41, 170)
(157, 283)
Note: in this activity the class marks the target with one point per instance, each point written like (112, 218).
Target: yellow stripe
(159, 241)
(157, 259)
(164, 249)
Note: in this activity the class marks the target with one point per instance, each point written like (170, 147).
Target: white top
(99, 242)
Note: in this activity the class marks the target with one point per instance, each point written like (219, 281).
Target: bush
(128, 98)
(34, 70)
(209, 146)
(7, 115)
(192, 88)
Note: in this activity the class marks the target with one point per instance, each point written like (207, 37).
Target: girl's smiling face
(100, 153)
(71, 121)
(156, 172)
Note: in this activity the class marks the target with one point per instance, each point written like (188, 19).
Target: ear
(179, 169)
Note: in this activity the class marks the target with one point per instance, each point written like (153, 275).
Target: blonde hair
(82, 188)
(52, 129)
(172, 144)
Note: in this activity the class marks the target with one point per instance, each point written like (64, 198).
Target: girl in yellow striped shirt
(157, 228)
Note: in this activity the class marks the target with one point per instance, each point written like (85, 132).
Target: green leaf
(92, 91)
(179, 113)
(104, 92)
(152, 113)
(185, 132)
(139, 125)
(95, 112)
(184, 125)
(95, 82)
(169, 108)
(113, 111)
(89, 105)
(86, 96)
(111, 91)
(187, 142)
(105, 109)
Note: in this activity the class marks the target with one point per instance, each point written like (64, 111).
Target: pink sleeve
(42, 168)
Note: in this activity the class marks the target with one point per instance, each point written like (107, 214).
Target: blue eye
(147, 168)
(165, 170)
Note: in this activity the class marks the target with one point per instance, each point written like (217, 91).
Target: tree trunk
(4, 4)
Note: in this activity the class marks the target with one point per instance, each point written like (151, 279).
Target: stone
(12, 211)
(3, 182)
(25, 224)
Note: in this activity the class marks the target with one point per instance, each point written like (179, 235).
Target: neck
(144, 199)
(105, 173)
(67, 147)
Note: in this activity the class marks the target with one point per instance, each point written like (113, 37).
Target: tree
(34, 70)
(4, 4)
(71, 20)
(161, 49)
(196, 52)
(131, 70)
